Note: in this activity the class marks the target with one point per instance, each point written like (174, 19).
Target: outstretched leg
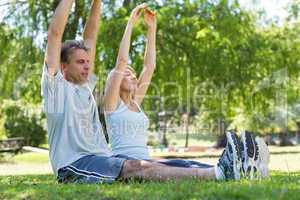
(156, 171)
(228, 167)
(184, 163)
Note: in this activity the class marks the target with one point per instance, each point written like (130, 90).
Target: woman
(126, 122)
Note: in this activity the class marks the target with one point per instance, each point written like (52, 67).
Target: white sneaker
(229, 164)
(255, 156)
(263, 158)
(249, 154)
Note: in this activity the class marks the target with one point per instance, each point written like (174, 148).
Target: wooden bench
(13, 145)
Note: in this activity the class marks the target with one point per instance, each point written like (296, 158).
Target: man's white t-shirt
(74, 128)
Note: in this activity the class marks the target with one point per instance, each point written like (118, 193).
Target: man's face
(78, 68)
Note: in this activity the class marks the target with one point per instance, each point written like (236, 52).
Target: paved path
(282, 162)
(24, 168)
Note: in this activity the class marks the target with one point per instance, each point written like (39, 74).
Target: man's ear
(63, 67)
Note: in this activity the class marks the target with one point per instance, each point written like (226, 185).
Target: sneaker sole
(237, 164)
(250, 154)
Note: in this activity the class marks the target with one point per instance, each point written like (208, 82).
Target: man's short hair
(68, 47)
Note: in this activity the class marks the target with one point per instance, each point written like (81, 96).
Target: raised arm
(55, 34)
(150, 58)
(91, 30)
(112, 89)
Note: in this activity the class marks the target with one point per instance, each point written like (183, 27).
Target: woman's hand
(150, 19)
(136, 13)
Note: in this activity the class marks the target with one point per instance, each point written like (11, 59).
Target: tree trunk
(221, 140)
(73, 21)
(55, 4)
(298, 132)
(126, 3)
(186, 125)
(165, 142)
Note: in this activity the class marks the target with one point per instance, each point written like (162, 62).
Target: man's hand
(136, 13)
(150, 19)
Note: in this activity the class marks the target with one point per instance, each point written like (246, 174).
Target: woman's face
(129, 82)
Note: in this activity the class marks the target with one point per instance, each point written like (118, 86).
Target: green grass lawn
(280, 186)
(25, 158)
(31, 157)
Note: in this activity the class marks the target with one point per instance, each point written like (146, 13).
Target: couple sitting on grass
(78, 149)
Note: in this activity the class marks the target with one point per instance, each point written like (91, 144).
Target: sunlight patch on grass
(31, 158)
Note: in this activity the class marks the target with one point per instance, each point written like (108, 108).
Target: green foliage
(23, 120)
(20, 66)
(212, 56)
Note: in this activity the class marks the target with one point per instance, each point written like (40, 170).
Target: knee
(133, 168)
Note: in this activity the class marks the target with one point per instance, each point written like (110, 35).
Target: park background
(221, 64)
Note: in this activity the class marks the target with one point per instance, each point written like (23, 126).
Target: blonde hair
(131, 69)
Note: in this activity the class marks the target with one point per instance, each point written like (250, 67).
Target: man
(78, 149)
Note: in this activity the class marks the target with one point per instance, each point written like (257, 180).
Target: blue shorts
(92, 169)
(103, 169)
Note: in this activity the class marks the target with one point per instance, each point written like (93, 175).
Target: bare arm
(112, 89)
(91, 30)
(150, 58)
(55, 34)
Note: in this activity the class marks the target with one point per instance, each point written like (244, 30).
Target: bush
(23, 120)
